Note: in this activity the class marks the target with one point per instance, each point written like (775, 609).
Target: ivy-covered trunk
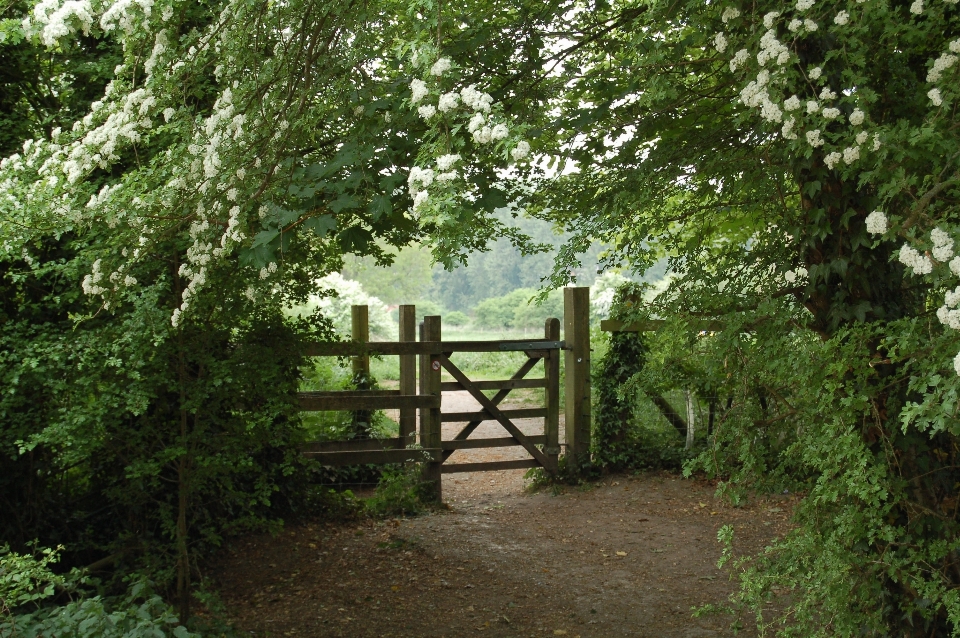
(852, 283)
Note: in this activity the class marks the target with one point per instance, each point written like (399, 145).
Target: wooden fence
(425, 395)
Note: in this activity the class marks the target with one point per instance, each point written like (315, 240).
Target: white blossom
(812, 106)
(862, 137)
(876, 141)
(448, 102)
(935, 97)
(720, 42)
(787, 130)
(803, 5)
(794, 25)
(730, 13)
(792, 103)
(831, 159)
(427, 111)
(877, 222)
(856, 118)
(446, 162)
(476, 122)
(954, 266)
(441, 66)
(920, 264)
(418, 91)
(521, 151)
(419, 177)
(814, 73)
(841, 18)
(827, 94)
(483, 135)
(810, 25)
(940, 65)
(420, 199)
(951, 299)
(476, 100)
(917, 7)
(831, 113)
(954, 46)
(449, 176)
(851, 154)
(499, 132)
(956, 363)
(942, 245)
(770, 19)
(813, 138)
(790, 277)
(738, 59)
(772, 49)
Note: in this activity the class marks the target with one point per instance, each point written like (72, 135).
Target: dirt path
(628, 556)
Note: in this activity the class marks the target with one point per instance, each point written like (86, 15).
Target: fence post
(576, 328)
(360, 332)
(408, 375)
(430, 417)
(551, 396)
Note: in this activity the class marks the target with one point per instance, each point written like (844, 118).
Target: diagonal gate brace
(494, 411)
(496, 399)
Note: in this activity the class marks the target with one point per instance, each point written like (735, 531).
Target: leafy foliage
(28, 587)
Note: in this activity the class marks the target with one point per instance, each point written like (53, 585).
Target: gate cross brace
(496, 399)
(494, 411)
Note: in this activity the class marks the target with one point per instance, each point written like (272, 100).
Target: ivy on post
(576, 327)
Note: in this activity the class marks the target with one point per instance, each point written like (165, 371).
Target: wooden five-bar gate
(434, 355)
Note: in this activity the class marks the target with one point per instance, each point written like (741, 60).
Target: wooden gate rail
(434, 355)
(527, 366)
(489, 466)
(357, 349)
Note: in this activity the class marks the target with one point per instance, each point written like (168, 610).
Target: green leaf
(321, 225)
(380, 206)
(355, 239)
(265, 237)
(344, 202)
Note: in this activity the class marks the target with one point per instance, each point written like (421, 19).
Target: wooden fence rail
(434, 357)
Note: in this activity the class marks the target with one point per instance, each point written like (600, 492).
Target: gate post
(551, 374)
(408, 375)
(360, 333)
(576, 328)
(430, 417)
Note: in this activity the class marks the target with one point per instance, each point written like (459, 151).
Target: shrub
(456, 318)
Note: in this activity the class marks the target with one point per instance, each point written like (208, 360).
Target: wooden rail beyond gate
(434, 355)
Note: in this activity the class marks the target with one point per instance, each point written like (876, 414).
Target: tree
(798, 165)
(152, 240)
